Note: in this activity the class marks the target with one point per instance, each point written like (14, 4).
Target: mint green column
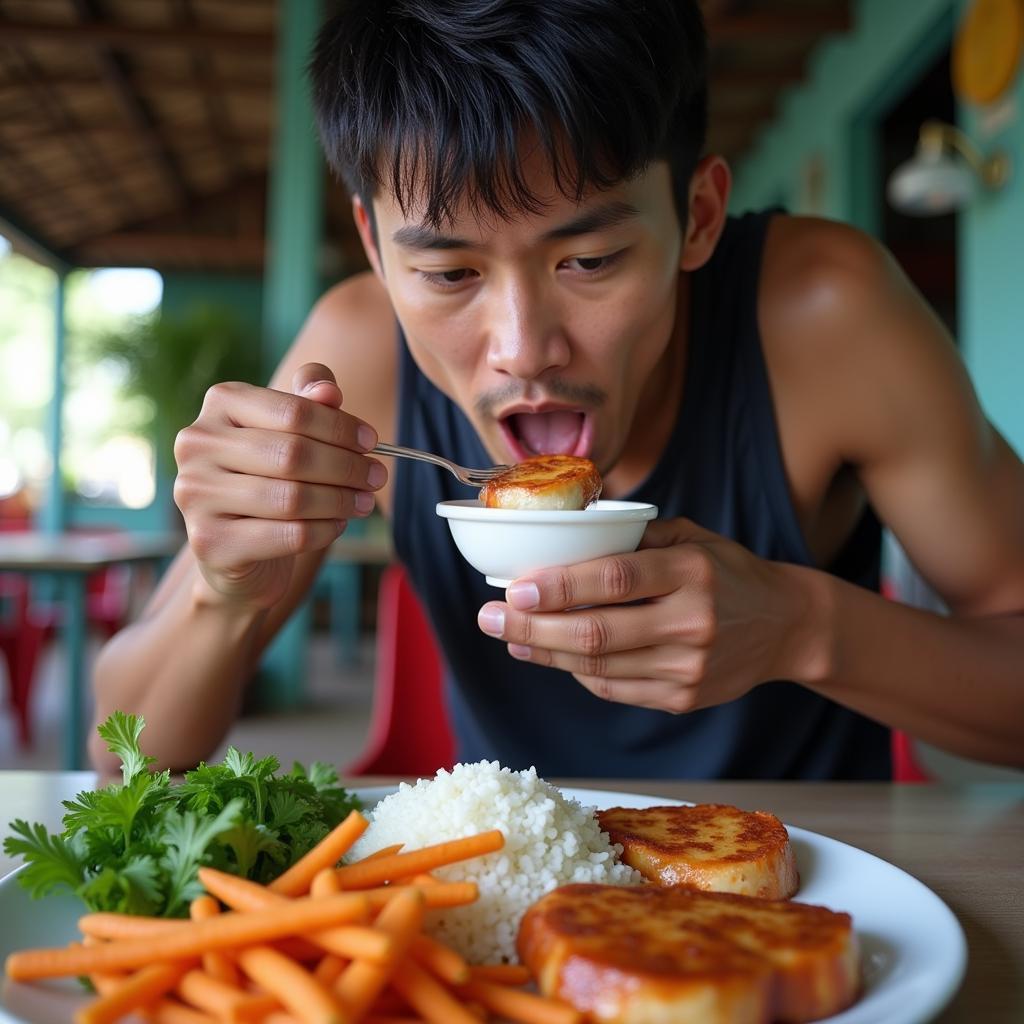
(53, 515)
(291, 281)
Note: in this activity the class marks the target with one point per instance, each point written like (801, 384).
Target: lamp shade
(929, 185)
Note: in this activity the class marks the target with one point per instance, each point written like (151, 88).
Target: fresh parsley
(135, 846)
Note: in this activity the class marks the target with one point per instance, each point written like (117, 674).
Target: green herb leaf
(121, 732)
(51, 861)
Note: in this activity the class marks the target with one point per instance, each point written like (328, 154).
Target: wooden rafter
(791, 24)
(216, 111)
(27, 71)
(113, 67)
(135, 37)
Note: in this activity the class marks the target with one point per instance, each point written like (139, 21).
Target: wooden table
(69, 559)
(966, 843)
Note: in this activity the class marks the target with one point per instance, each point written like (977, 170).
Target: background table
(966, 843)
(69, 559)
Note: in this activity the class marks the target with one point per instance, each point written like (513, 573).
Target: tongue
(549, 433)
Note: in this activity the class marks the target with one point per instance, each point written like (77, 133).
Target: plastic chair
(905, 764)
(409, 730)
(28, 624)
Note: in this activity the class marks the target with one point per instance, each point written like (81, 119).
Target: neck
(657, 409)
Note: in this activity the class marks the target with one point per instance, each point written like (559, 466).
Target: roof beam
(802, 24)
(136, 37)
(25, 241)
(113, 67)
(152, 249)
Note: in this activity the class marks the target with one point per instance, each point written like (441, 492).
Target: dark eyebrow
(608, 215)
(420, 236)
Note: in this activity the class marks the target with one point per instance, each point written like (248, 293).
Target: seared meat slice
(545, 482)
(708, 846)
(653, 955)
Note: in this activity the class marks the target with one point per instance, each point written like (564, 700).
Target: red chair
(905, 764)
(27, 625)
(409, 731)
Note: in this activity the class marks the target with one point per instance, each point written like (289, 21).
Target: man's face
(547, 330)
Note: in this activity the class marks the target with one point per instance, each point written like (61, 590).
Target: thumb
(316, 382)
(663, 533)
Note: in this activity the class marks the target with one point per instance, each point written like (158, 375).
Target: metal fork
(472, 477)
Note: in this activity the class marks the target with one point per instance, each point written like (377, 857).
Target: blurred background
(167, 221)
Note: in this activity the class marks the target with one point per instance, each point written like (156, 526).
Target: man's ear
(705, 218)
(368, 235)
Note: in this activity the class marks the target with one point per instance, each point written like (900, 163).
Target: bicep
(939, 475)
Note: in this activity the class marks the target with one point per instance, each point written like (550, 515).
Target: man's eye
(591, 264)
(448, 278)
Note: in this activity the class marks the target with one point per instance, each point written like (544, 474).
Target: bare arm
(265, 484)
(906, 417)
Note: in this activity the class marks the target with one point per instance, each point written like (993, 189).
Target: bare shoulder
(352, 329)
(840, 319)
(865, 375)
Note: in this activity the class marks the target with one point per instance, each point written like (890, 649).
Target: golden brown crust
(545, 482)
(715, 847)
(637, 955)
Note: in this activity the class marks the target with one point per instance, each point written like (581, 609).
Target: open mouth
(557, 432)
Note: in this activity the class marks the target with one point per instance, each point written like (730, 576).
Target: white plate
(914, 953)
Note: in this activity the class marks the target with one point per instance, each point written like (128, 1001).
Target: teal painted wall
(828, 119)
(992, 282)
(243, 293)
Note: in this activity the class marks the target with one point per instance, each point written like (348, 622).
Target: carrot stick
(429, 997)
(367, 874)
(326, 853)
(361, 982)
(329, 970)
(500, 974)
(521, 1006)
(145, 986)
(192, 939)
(167, 1011)
(384, 851)
(440, 959)
(217, 965)
(293, 985)
(444, 894)
(324, 883)
(224, 1001)
(347, 941)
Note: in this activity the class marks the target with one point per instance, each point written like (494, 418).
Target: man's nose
(525, 336)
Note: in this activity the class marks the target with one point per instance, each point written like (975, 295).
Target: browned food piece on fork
(650, 955)
(545, 482)
(708, 846)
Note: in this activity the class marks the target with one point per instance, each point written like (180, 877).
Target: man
(554, 271)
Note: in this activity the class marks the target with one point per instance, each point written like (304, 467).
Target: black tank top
(722, 467)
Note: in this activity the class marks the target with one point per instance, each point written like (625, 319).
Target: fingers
(667, 664)
(223, 545)
(316, 382)
(268, 453)
(663, 533)
(245, 405)
(617, 579)
(590, 632)
(241, 495)
(644, 693)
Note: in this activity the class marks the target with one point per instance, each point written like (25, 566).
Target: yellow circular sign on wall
(987, 49)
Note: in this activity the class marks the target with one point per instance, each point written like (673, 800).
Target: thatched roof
(138, 131)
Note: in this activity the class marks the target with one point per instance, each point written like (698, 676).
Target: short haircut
(440, 93)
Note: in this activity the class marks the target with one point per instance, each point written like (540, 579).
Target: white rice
(549, 841)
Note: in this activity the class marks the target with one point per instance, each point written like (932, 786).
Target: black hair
(440, 93)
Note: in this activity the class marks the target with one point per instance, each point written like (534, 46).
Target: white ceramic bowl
(505, 543)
